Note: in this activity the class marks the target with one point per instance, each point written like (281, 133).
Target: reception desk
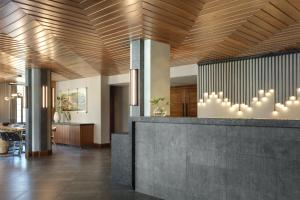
(75, 134)
(232, 159)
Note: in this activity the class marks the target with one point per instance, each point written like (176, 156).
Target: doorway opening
(119, 108)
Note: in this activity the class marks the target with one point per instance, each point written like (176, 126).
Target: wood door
(191, 101)
(183, 101)
(176, 102)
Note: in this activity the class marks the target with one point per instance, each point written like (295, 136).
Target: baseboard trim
(36, 154)
(101, 146)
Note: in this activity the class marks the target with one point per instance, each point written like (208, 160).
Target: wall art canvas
(81, 99)
(74, 100)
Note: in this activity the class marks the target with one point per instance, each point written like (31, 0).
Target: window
(21, 114)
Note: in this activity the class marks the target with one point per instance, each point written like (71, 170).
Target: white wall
(93, 114)
(175, 72)
(98, 98)
(119, 79)
(184, 70)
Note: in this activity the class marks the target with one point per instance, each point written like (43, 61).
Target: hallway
(71, 173)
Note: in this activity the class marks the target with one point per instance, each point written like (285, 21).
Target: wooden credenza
(74, 134)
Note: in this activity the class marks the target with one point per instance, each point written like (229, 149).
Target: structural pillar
(137, 78)
(149, 75)
(156, 74)
(38, 112)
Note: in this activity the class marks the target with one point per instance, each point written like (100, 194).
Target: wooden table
(16, 130)
(8, 129)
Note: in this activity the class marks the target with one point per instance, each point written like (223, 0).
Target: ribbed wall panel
(240, 80)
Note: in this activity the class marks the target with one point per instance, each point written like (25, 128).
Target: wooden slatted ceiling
(254, 22)
(80, 38)
(116, 22)
(257, 28)
(216, 21)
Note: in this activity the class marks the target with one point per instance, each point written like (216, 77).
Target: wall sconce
(46, 91)
(134, 87)
(25, 98)
(53, 97)
(45, 97)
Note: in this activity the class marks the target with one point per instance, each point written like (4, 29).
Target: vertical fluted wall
(241, 80)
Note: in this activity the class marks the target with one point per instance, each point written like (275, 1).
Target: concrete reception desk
(232, 159)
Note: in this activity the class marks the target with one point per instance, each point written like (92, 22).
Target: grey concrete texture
(221, 162)
(280, 123)
(121, 159)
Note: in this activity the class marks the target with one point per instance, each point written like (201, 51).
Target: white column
(156, 73)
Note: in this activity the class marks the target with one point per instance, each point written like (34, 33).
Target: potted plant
(59, 111)
(159, 104)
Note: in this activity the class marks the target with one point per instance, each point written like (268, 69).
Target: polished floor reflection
(71, 173)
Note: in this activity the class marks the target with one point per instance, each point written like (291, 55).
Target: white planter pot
(56, 117)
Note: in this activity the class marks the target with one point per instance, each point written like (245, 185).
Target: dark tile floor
(70, 173)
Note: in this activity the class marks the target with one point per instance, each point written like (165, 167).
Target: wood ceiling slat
(7, 8)
(188, 6)
(287, 8)
(171, 8)
(271, 20)
(112, 18)
(55, 6)
(263, 24)
(78, 38)
(279, 15)
(13, 17)
(62, 25)
(58, 19)
(167, 17)
(46, 8)
(106, 7)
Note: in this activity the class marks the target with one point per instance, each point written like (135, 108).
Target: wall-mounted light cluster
(262, 106)
(250, 82)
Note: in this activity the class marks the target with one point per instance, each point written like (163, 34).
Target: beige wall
(98, 99)
(93, 114)
(156, 74)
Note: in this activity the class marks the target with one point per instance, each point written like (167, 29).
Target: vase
(159, 112)
(56, 117)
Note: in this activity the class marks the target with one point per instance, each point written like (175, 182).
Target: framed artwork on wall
(74, 100)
